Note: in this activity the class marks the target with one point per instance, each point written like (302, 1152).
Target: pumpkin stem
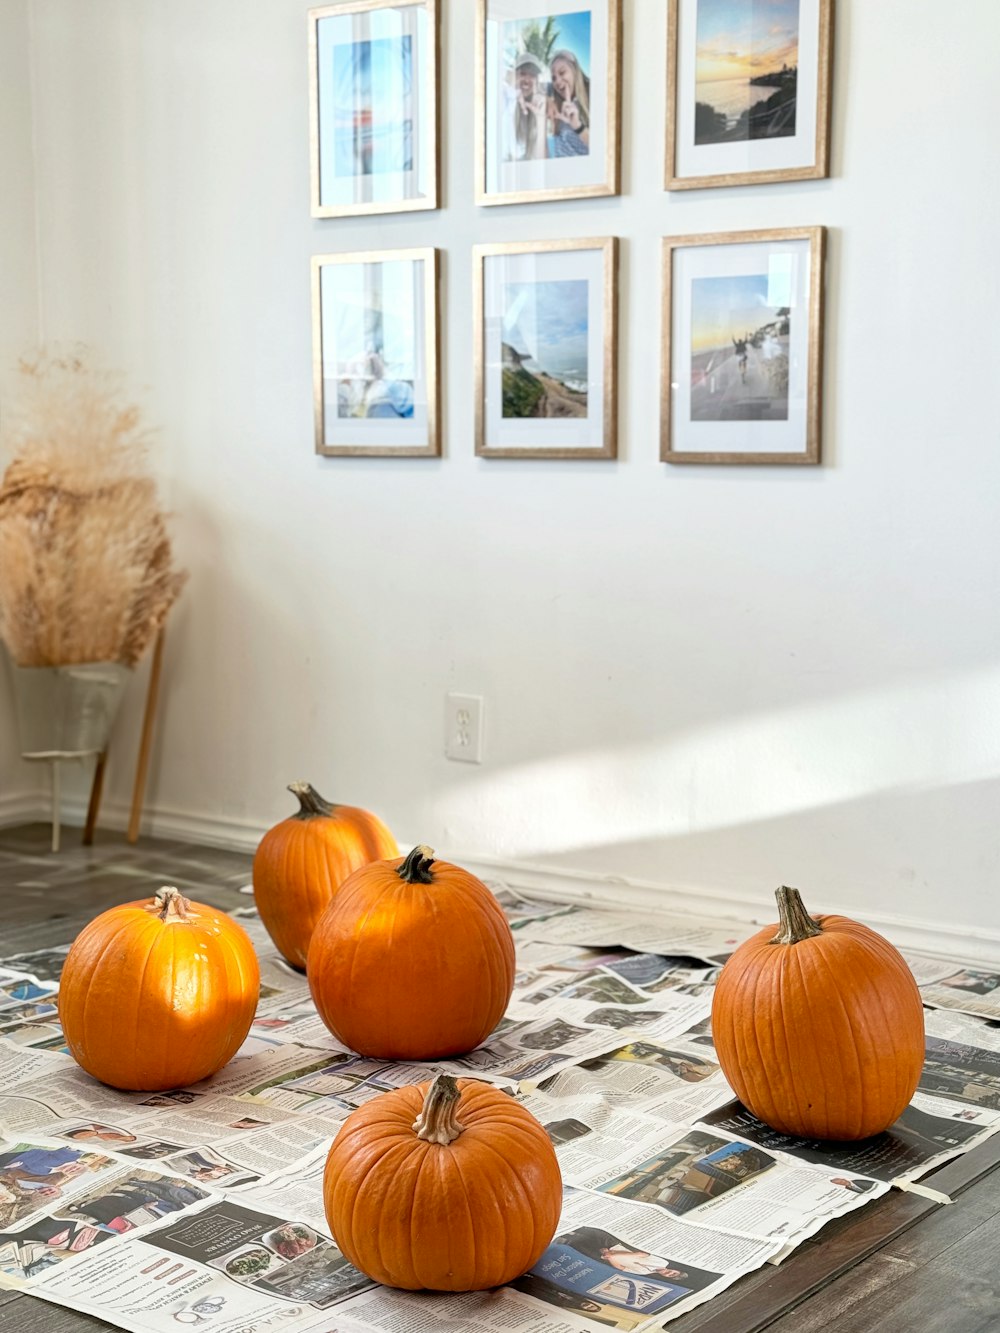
(171, 904)
(311, 803)
(437, 1122)
(795, 923)
(416, 869)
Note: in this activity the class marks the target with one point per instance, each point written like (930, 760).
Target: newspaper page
(709, 940)
(709, 1179)
(674, 1082)
(40, 965)
(961, 1065)
(930, 1131)
(253, 1266)
(969, 990)
(625, 1264)
(974, 1032)
(520, 910)
(243, 1268)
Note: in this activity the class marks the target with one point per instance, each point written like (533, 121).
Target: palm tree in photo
(539, 38)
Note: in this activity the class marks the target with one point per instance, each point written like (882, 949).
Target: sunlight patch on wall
(931, 733)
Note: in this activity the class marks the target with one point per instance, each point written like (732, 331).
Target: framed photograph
(748, 97)
(742, 347)
(375, 353)
(546, 349)
(373, 107)
(548, 83)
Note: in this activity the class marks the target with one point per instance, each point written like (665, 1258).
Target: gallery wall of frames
(748, 103)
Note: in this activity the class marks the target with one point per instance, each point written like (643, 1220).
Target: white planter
(67, 709)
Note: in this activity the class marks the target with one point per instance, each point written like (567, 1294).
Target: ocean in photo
(732, 96)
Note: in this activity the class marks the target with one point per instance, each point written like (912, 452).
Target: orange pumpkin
(819, 1028)
(448, 1186)
(302, 862)
(158, 994)
(412, 960)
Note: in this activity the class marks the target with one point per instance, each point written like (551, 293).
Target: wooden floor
(903, 1264)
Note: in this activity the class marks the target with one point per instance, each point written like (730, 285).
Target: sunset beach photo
(746, 70)
(739, 350)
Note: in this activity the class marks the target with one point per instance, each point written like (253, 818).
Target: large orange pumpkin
(818, 1026)
(412, 960)
(448, 1186)
(302, 862)
(158, 994)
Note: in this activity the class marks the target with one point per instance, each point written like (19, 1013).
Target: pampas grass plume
(86, 568)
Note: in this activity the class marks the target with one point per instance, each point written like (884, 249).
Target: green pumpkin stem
(170, 904)
(795, 924)
(311, 803)
(416, 869)
(437, 1121)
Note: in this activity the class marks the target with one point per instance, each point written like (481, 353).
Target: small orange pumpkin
(819, 1028)
(302, 862)
(158, 994)
(412, 960)
(448, 1186)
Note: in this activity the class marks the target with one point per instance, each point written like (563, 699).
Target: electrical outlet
(463, 727)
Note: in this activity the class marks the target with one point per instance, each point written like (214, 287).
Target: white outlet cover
(464, 715)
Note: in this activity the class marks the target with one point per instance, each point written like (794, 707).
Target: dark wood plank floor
(903, 1264)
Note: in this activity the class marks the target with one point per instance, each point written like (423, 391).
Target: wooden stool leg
(146, 741)
(96, 787)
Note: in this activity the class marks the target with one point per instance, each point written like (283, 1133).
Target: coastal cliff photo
(545, 349)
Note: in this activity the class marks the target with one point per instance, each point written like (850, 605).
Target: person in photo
(98, 1133)
(368, 391)
(980, 983)
(525, 111)
(595, 1243)
(569, 107)
(856, 1186)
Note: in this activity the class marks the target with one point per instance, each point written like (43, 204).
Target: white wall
(719, 678)
(19, 784)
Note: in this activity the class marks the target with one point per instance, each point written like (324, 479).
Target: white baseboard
(941, 938)
(22, 808)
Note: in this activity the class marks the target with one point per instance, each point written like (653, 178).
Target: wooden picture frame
(742, 359)
(726, 126)
(545, 319)
(376, 354)
(548, 100)
(374, 107)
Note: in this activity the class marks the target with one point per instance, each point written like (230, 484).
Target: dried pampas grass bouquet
(86, 568)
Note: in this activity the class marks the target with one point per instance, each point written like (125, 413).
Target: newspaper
(929, 1132)
(711, 941)
(202, 1206)
(967, 989)
(708, 1178)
